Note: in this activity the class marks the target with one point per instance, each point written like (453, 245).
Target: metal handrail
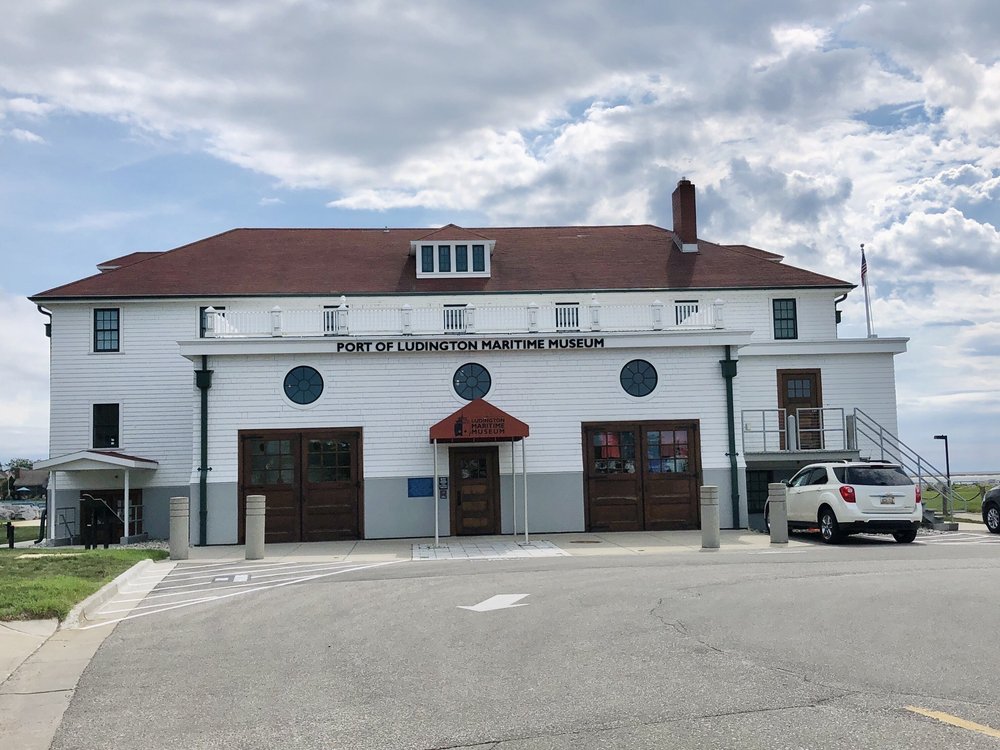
(778, 429)
(911, 461)
(825, 416)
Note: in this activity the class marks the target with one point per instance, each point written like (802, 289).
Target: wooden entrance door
(800, 395)
(330, 484)
(311, 479)
(641, 476)
(475, 490)
(614, 485)
(670, 476)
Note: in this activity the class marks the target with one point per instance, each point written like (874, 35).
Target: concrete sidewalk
(570, 544)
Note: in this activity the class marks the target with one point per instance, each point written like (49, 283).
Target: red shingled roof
(378, 261)
(452, 232)
(125, 260)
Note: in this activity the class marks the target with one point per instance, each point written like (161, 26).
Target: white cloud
(808, 127)
(24, 399)
(25, 136)
(104, 220)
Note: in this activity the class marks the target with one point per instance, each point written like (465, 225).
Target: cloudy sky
(808, 126)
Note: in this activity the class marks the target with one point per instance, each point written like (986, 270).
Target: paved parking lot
(870, 644)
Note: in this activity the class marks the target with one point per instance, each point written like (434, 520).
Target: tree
(10, 470)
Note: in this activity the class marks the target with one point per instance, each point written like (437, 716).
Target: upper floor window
(638, 378)
(453, 258)
(785, 321)
(472, 381)
(444, 258)
(107, 427)
(106, 329)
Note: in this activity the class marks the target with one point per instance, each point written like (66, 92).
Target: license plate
(888, 501)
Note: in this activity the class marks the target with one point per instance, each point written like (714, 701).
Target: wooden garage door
(311, 479)
(641, 476)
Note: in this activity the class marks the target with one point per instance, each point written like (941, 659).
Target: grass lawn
(41, 583)
(971, 492)
(28, 532)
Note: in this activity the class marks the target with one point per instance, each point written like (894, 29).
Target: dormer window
(461, 258)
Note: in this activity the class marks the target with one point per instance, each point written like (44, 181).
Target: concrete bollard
(777, 512)
(710, 535)
(255, 527)
(180, 529)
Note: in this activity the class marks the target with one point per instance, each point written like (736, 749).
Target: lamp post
(947, 471)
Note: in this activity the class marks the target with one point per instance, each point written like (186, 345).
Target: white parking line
(960, 537)
(256, 573)
(776, 551)
(242, 591)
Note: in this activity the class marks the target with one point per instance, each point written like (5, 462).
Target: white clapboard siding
(849, 381)
(397, 399)
(148, 377)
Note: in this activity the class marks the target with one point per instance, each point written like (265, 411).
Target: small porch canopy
(92, 460)
(479, 421)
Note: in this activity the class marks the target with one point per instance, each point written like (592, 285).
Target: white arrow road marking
(500, 601)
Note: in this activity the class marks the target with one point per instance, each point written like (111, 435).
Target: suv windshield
(878, 476)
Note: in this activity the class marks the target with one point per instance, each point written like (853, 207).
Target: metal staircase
(867, 434)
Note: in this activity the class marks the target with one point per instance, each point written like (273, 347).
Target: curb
(95, 601)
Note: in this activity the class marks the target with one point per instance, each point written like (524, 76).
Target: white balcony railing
(808, 429)
(358, 320)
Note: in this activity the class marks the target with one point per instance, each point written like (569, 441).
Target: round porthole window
(472, 381)
(638, 378)
(303, 385)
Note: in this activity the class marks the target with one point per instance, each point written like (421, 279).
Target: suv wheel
(991, 516)
(905, 537)
(829, 529)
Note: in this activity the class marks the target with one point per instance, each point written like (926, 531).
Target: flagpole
(864, 283)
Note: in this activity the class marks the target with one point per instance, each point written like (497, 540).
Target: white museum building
(592, 377)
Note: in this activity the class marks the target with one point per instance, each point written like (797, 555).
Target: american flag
(864, 268)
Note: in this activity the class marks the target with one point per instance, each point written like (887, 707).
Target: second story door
(800, 395)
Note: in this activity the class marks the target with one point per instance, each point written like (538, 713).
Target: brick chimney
(685, 217)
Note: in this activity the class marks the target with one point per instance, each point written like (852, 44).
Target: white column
(513, 488)
(434, 495)
(51, 515)
(524, 478)
(126, 503)
(275, 321)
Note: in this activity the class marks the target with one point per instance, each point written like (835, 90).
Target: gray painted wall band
(555, 504)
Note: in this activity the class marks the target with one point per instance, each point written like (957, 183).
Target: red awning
(478, 422)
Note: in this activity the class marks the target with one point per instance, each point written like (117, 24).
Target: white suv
(847, 498)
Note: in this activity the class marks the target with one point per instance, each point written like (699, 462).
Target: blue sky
(808, 129)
